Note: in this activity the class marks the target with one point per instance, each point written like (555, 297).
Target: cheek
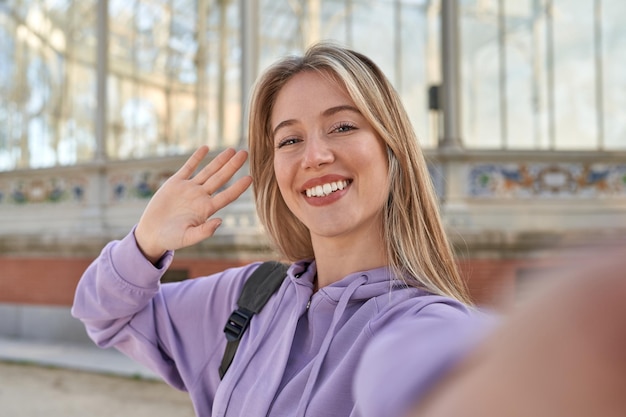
(282, 174)
(380, 175)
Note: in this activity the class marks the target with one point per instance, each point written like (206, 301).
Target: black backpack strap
(259, 287)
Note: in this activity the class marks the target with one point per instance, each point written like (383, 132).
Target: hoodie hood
(373, 282)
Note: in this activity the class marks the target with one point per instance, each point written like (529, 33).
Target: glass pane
(280, 29)
(137, 78)
(223, 70)
(526, 108)
(9, 115)
(614, 76)
(38, 82)
(47, 105)
(547, 70)
(378, 44)
(77, 136)
(337, 18)
(135, 120)
(574, 75)
(480, 74)
(176, 66)
(418, 65)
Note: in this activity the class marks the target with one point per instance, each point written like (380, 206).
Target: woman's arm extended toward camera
(562, 354)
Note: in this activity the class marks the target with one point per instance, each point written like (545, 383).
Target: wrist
(150, 252)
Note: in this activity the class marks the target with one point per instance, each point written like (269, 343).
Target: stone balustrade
(491, 201)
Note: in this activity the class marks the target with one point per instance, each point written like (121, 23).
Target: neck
(336, 258)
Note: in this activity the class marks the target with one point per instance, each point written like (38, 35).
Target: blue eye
(287, 141)
(344, 127)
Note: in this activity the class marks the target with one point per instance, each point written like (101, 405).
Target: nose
(317, 152)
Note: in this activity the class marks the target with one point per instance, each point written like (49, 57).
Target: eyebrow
(328, 112)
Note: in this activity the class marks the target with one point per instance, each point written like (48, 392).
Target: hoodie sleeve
(408, 356)
(174, 329)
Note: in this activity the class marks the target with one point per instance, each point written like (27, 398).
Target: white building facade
(517, 103)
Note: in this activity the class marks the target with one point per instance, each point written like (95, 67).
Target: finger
(214, 166)
(193, 162)
(226, 172)
(230, 194)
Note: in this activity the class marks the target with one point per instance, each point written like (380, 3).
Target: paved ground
(28, 390)
(40, 379)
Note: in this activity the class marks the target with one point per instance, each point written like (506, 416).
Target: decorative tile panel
(38, 190)
(547, 180)
(134, 185)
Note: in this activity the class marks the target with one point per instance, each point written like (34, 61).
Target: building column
(249, 10)
(94, 216)
(451, 82)
(102, 67)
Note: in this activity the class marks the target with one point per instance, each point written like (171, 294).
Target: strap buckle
(237, 324)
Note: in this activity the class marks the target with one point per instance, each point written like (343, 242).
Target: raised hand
(179, 213)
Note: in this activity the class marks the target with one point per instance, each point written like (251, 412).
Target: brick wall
(48, 281)
(52, 281)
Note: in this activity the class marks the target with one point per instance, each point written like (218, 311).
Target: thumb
(203, 231)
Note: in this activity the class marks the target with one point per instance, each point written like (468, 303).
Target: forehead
(308, 93)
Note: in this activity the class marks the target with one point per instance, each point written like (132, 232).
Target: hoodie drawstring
(319, 360)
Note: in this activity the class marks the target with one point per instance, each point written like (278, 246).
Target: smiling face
(330, 165)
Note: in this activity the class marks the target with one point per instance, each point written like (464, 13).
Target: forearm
(562, 354)
(117, 285)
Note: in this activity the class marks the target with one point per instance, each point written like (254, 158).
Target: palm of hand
(179, 214)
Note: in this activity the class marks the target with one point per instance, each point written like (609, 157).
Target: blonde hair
(418, 250)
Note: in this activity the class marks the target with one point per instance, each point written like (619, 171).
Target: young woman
(343, 191)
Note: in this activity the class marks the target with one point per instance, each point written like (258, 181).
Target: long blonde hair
(418, 250)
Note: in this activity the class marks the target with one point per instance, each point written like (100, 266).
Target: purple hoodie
(301, 352)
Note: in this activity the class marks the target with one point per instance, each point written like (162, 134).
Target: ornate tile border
(122, 186)
(547, 180)
(136, 185)
(485, 180)
(55, 189)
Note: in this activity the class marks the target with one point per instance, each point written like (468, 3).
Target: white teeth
(324, 190)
